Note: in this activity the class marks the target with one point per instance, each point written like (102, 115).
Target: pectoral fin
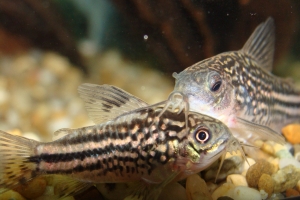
(146, 191)
(65, 186)
(258, 132)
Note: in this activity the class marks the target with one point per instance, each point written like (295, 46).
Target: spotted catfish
(238, 88)
(130, 143)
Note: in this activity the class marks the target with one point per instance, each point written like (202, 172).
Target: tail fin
(15, 164)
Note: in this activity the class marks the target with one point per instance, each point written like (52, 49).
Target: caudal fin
(15, 164)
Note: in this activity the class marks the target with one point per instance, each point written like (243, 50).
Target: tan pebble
(268, 148)
(275, 163)
(9, 195)
(211, 187)
(173, 191)
(247, 164)
(196, 188)
(256, 170)
(290, 192)
(285, 178)
(265, 183)
(33, 188)
(222, 190)
(291, 133)
(236, 179)
(278, 147)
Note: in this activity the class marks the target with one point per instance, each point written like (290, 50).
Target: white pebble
(283, 162)
(243, 193)
(263, 194)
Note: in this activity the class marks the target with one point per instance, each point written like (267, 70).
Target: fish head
(207, 140)
(207, 87)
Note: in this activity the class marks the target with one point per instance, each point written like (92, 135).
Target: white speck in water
(227, 14)
(145, 37)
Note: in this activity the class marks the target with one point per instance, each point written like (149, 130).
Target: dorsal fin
(106, 102)
(260, 45)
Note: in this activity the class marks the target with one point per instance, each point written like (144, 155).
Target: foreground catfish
(129, 143)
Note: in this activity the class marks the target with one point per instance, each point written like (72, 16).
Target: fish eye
(216, 86)
(202, 135)
(215, 82)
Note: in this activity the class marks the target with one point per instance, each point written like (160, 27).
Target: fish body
(239, 85)
(134, 146)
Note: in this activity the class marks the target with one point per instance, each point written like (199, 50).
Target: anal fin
(65, 186)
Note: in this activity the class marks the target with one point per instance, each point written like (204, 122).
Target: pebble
(285, 178)
(32, 189)
(281, 151)
(288, 161)
(256, 170)
(247, 164)
(263, 194)
(222, 190)
(290, 192)
(291, 133)
(243, 193)
(268, 147)
(196, 188)
(237, 180)
(11, 195)
(266, 184)
(211, 187)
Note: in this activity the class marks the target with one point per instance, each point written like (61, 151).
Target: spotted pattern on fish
(247, 89)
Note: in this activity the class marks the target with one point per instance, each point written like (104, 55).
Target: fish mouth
(211, 149)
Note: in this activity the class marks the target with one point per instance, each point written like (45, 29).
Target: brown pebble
(255, 171)
(266, 183)
(290, 192)
(291, 133)
(196, 188)
(33, 188)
